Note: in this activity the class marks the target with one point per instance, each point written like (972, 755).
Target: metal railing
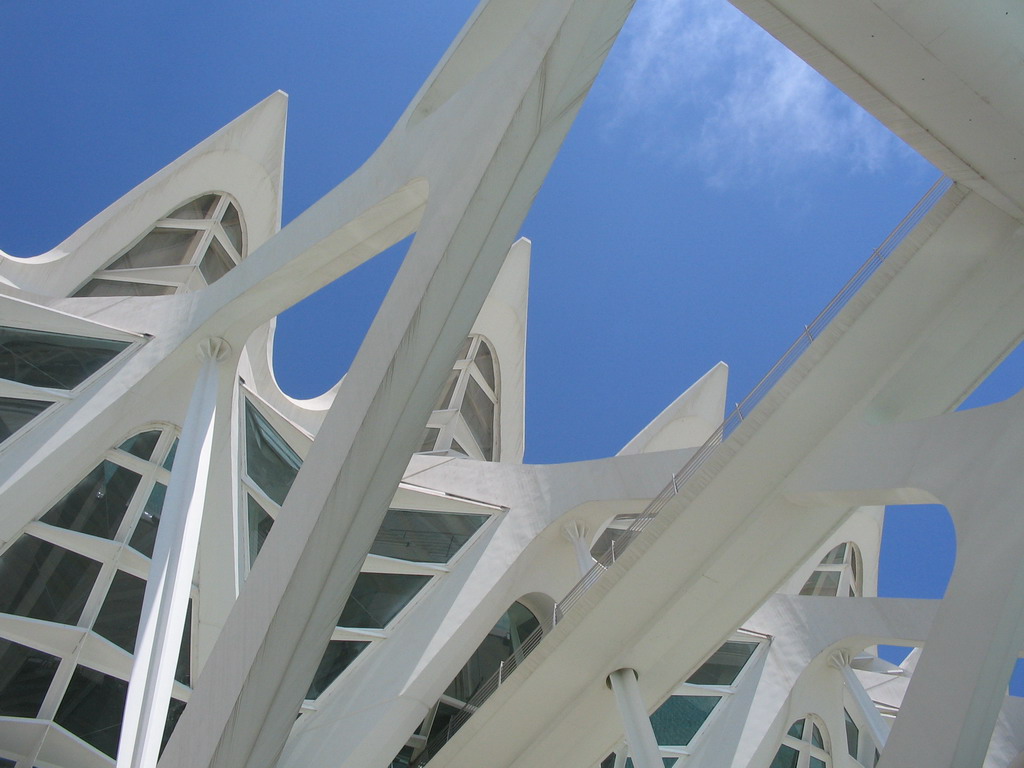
(696, 462)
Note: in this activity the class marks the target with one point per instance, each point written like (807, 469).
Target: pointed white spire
(689, 421)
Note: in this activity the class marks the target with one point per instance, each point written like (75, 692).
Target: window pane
(796, 730)
(25, 676)
(485, 362)
(183, 670)
(724, 665)
(505, 639)
(92, 708)
(458, 448)
(197, 209)
(97, 504)
(825, 583)
(118, 619)
(259, 527)
(56, 360)
(445, 400)
(233, 227)
(429, 439)
(160, 248)
(677, 720)
(270, 461)
(424, 537)
(338, 655)
(378, 597)
(852, 735)
(816, 738)
(173, 714)
(144, 537)
(43, 581)
(816, 763)
(142, 444)
(786, 757)
(478, 410)
(835, 556)
(121, 288)
(15, 413)
(216, 263)
(169, 461)
(445, 712)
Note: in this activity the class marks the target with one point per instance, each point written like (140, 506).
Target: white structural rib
(510, 98)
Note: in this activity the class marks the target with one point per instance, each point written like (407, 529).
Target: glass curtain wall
(41, 368)
(74, 581)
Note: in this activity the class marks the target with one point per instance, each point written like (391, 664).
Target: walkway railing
(696, 462)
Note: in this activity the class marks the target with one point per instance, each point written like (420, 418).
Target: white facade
(373, 577)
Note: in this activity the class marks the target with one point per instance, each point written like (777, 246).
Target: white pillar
(643, 746)
(170, 575)
(576, 532)
(877, 727)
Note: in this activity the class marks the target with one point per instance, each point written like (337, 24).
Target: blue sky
(712, 196)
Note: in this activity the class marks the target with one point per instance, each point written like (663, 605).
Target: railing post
(501, 667)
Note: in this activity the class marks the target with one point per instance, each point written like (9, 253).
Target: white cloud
(703, 82)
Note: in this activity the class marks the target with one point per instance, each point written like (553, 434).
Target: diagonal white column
(170, 576)
(877, 727)
(576, 533)
(643, 745)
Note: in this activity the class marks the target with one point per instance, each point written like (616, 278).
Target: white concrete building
(194, 563)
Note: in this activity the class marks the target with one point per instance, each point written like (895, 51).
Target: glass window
(424, 537)
(99, 288)
(338, 655)
(478, 410)
(429, 439)
(270, 461)
(824, 583)
(169, 461)
(92, 708)
(852, 735)
(200, 208)
(259, 528)
(786, 757)
(43, 581)
(118, 619)
(485, 362)
(183, 670)
(173, 714)
(442, 717)
(15, 413)
(796, 730)
(25, 677)
(724, 665)
(677, 720)
(97, 504)
(444, 401)
(55, 360)
(232, 224)
(142, 444)
(216, 263)
(835, 556)
(502, 642)
(160, 248)
(144, 537)
(378, 597)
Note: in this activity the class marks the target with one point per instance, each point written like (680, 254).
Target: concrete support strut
(165, 604)
(877, 727)
(643, 746)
